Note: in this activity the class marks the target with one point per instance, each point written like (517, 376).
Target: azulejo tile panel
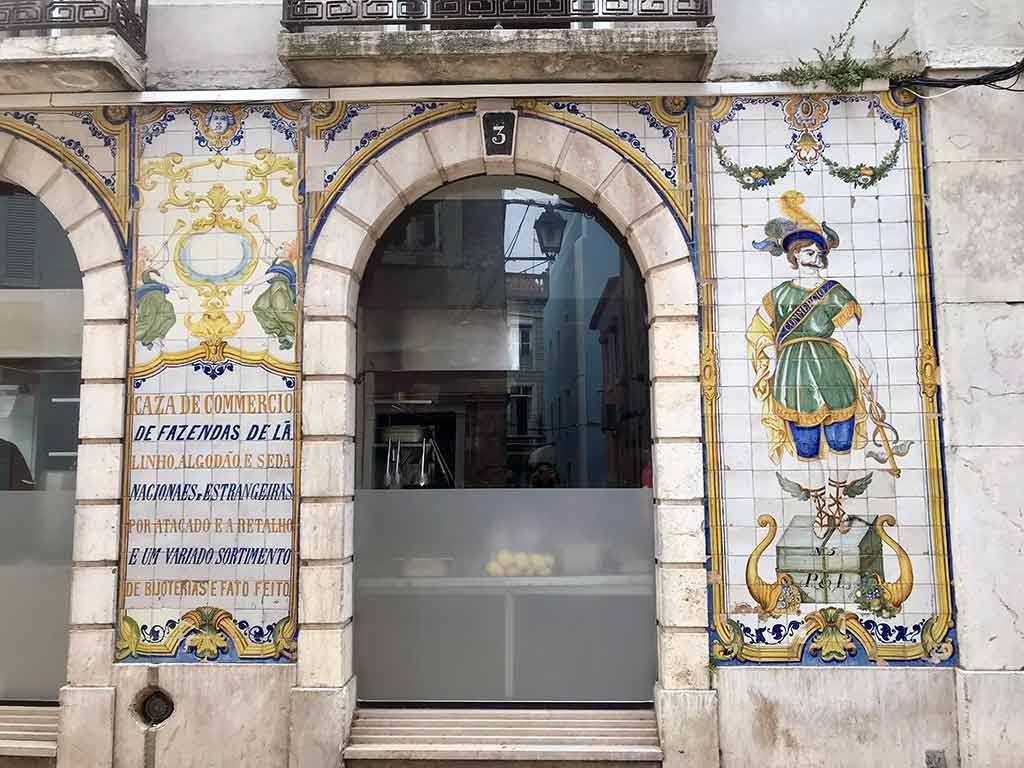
(825, 494)
(825, 487)
(210, 526)
(93, 144)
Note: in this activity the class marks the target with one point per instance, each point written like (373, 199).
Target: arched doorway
(504, 519)
(40, 373)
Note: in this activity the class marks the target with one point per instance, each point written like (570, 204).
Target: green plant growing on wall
(839, 68)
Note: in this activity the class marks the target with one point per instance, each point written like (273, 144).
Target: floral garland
(865, 176)
(754, 176)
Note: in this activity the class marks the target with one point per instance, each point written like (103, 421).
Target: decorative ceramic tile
(208, 566)
(344, 136)
(828, 534)
(650, 127)
(93, 144)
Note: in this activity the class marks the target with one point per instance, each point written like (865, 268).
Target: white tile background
(874, 261)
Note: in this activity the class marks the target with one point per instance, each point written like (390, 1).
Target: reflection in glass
(40, 373)
(503, 511)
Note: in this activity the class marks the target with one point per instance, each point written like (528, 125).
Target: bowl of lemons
(507, 562)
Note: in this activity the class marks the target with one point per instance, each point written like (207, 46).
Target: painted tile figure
(813, 368)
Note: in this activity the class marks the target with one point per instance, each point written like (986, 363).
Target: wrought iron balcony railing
(126, 18)
(455, 14)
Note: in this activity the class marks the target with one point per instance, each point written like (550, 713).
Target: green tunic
(814, 383)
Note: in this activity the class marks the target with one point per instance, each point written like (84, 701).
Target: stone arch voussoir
(404, 171)
(101, 424)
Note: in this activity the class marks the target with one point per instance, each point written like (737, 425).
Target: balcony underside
(634, 54)
(75, 63)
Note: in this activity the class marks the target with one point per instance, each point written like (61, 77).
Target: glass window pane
(503, 455)
(40, 374)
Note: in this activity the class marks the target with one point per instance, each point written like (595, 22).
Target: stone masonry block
(679, 535)
(104, 350)
(70, 201)
(329, 293)
(538, 145)
(6, 142)
(410, 166)
(682, 596)
(675, 348)
(29, 166)
(687, 727)
(771, 713)
(343, 243)
(320, 721)
(95, 243)
(672, 291)
(677, 409)
(96, 532)
(93, 594)
(329, 347)
(101, 414)
(198, 734)
(627, 197)
(90, 656)
(968, 241)
(328, 407)
(585, 165)
(327, 468)
(105, 293)
(325, 657)
(657, 239)
(99, 471)
(678, 471)
(988, 702)
(86, 735)
(323, 533)
(320, 594)
(952, 127)
(371, 199)
(458, 147)
(986, 522)
(347, 591)
(983, 378)
(682, 659)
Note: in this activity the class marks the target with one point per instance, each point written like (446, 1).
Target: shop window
(40, 374)
(490, 542)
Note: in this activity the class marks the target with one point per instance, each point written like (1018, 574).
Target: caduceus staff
(880, 435)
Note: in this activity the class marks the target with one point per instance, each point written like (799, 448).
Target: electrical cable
(989, 79)
(515, 237)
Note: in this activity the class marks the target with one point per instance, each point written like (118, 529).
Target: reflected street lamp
(550, 228)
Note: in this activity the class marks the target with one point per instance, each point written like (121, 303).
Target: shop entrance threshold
(28, 731)
(472, 737)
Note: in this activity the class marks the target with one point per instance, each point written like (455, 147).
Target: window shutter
(20, 268)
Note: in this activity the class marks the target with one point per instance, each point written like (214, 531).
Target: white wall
(977, 211)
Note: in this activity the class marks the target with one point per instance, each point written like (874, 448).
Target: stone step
(508, 738)
(555, 738)
(18, 748)
(504, 714)
(475, 752)
(521, 728)
(26, 721)
(28, 734)
(7, 711)
(27, 731)
(485, 722)
(598, 762)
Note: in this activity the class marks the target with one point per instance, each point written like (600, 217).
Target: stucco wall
(234, 44)
(211, 45)
(974, 162)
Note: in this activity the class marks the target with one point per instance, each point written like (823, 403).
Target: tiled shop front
(796, 458)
